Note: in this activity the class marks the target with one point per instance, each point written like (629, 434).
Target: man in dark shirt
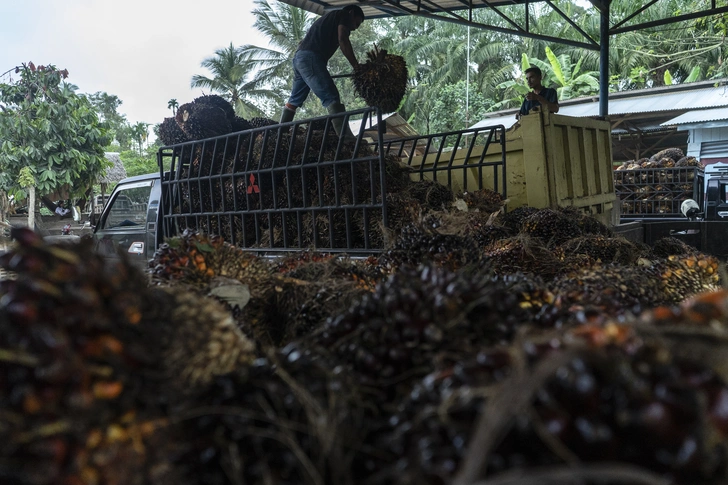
(539, 95)
(326, 35)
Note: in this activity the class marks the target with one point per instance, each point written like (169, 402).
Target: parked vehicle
(278, 188)
(688, 203)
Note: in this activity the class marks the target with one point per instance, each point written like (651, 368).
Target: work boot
(287, 114)
(338, 122)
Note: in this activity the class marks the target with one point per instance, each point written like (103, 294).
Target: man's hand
(531, 96)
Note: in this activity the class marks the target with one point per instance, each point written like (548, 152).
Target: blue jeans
(311, 73)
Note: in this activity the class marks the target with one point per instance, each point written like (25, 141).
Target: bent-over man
(310, 72)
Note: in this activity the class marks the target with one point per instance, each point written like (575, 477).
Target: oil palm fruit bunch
(632, 398)
(675, 154)
(72, 365)
(485, 232)
(428, 240)
(199, 120)
(708, 309)
(195, 259)
(430, 194)
(618, 289)
(551, 226)
(202, 340)
(514, 218)
(309, 294)
(601, 249)
(426, 437)
(382, 80)
(586, 222)
(418, 316)
(240, 124)
(291, 418)
(688, 162)
(219, 102)
(170, 133)
(522, 254)
(683, 276)
(671, 246)
(484, 200)
(260, 122)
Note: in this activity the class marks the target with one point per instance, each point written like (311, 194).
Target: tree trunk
(4, 205)
(31, 207)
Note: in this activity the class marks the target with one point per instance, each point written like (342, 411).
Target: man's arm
(345, 46)
(551, 101)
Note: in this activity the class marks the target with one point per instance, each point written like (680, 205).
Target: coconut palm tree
(232, 78)
(284, 26)
(173, 105)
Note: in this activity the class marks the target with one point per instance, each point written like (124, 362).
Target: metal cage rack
(299, 185)
(656, 192)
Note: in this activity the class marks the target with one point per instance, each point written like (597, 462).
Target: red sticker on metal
(253, 187)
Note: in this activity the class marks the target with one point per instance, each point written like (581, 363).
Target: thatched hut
(113, 174)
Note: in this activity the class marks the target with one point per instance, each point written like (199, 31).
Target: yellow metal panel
(551, 160)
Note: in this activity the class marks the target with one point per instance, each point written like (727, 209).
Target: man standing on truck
(539, 95)
(310, 72)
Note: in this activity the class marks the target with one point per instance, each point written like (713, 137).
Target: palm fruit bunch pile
(206, 116)
(465, 360)
(382, 80)
(271, 303)
(552, 406)
(656, 185)
(68, 362)
(90, 359)
(291, 418)
(418, 314)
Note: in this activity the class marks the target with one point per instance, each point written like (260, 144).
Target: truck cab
(716, 192)
(128, 222)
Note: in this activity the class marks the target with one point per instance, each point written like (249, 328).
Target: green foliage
(107, 106)
(449, 113)
(440, 54)
(136, 164)
(50, 131)
(232, 70)
(26, 178)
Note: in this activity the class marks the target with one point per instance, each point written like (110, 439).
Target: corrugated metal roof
(626, 103)
(709, 97)
(699, 116)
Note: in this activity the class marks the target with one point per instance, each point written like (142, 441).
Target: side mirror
(690, 209)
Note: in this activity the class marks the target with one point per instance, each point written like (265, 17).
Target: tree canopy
(48, 133)
(443, 57)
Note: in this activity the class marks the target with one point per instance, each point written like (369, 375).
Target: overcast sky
(143, 51)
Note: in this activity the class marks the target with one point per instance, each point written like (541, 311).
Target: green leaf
(525, 62)
(555, 66)
(694, 75)
(204, 248)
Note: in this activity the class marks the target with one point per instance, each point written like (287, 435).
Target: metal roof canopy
(461, 12)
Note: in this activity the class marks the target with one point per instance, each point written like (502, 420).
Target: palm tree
(140, 133)
(232, 79)
(173, 105)
(285, 27)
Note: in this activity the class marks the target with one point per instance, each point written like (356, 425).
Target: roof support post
(604, 59)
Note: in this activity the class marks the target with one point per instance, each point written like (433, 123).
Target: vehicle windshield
(129, 206)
